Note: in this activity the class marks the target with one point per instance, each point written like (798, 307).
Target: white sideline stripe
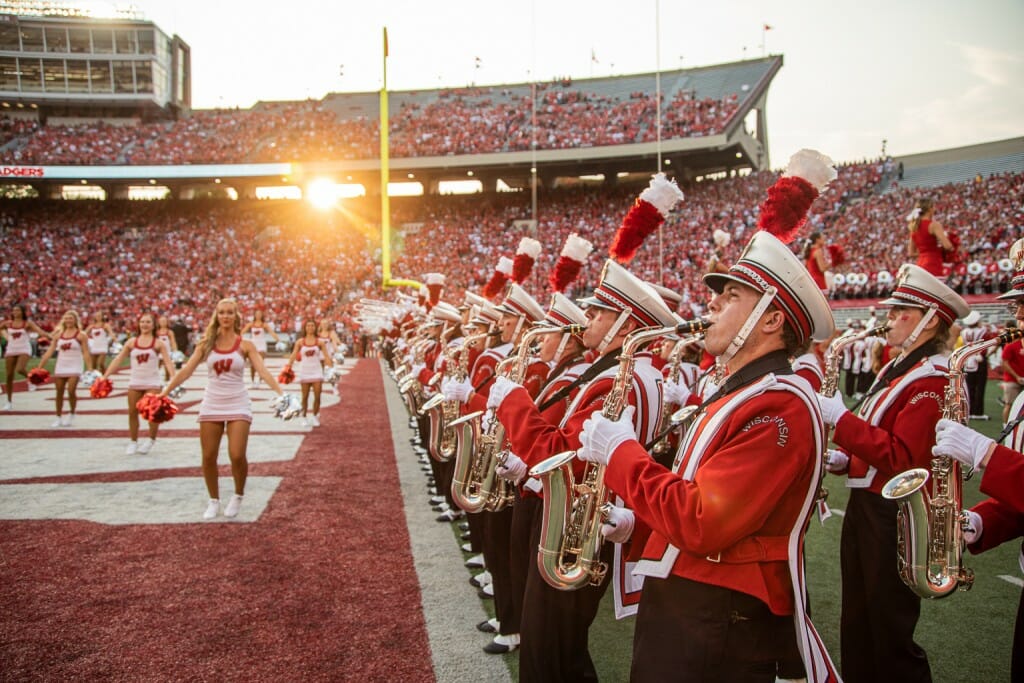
(27, 458)
(176, 500)
(838, 512)
(262, 421)
(1015, 580)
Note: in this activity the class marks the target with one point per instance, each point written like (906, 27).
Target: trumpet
(930, 524)
(570, 539)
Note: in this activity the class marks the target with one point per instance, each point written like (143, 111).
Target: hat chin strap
(614, 330)
(741, 337)
(912, 339)
(519, 326)
(561, 346)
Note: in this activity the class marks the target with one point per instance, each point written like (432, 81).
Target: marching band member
(19, 349)
(976, 369)
(146, 353)
(226, 406)
(722, 532)
(69, 343)
(555, 623)
(879, 612)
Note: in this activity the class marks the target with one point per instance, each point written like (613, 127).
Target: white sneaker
(32, 387)
(132, 449)
(233, 505)
(7, 406)
(67, 420)
(315, 420)
(212, 509)
(304, 422)
(59, 422)
(146, 445)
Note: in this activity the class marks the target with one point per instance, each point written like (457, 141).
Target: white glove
(973, 528)
(618, 524)
(417, 369)
(455, 390)
(501, 388)
(954, 440)
(832, 408)
(485, 420)
(675, 393)
(513, 469)
(600, 436)
(710, 387)
(836, 461)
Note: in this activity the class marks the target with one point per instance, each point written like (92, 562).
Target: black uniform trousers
(976, 381)
(850, 383)
(692, 631)
(879, 612)
(496, 544)
(555, 625)
(522, 553)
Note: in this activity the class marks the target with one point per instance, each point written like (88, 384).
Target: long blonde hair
(922, 206)
(73, 314)
(210, 335)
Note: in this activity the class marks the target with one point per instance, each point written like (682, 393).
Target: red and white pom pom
(836, 255)
(526, 256)
(570, 262)
(496, 285)
(153, 408)
(721, 238)
(790, 198)
(38, 376)
(287, 375)
(101, 388)
(435, 283)
(646, 214)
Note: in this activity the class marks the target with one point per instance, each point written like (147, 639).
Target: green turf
(32, 362)
(967, 636)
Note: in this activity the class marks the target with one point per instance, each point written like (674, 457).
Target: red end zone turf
(322, 587)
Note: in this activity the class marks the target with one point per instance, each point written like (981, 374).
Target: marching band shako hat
(619, 289)
(435, 283)
(972, 318)
(767, 262)
(445, 312)
(519, 302)
(671, 299)
(917, 288)
(562, 311)
(485, 314)
(470, 299)
(1016, 289)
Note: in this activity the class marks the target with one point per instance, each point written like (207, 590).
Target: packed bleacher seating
(180, 257)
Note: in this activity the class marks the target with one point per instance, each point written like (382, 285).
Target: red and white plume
(645, 216)
(526, 256)
(790, 198)
(496, 285)
(570, 262)
(435, 283)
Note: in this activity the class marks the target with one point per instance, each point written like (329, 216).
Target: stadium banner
(137, 172)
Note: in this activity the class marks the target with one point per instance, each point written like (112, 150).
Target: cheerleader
(69, 345)
(165, 334)
(100, 335)
(225, 406)
(146, 350)
(16, 330)
(326, 333)
(258, 330)
(310, 354)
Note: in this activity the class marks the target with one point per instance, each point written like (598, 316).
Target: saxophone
(830, 383)
(670, 420)
(475, 484)
(442, 412)
(930, 524)
(570, 539)
(409, 384)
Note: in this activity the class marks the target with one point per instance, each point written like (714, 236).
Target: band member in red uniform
(147, 353)
(70, 345)
(722, 531)
(883, 439)
(16, 330)
(555, 623)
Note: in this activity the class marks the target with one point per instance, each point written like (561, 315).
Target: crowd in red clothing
(473, 121)
(180, 257)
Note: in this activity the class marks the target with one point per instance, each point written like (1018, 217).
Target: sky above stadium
(920, 75)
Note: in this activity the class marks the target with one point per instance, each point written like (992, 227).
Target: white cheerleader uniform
(17, 342)
(99, 340)
(259, 338)
(145, 367)
(328, 346)
(311, 367)
(226, 398)
(166, 339)
(70, 361)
